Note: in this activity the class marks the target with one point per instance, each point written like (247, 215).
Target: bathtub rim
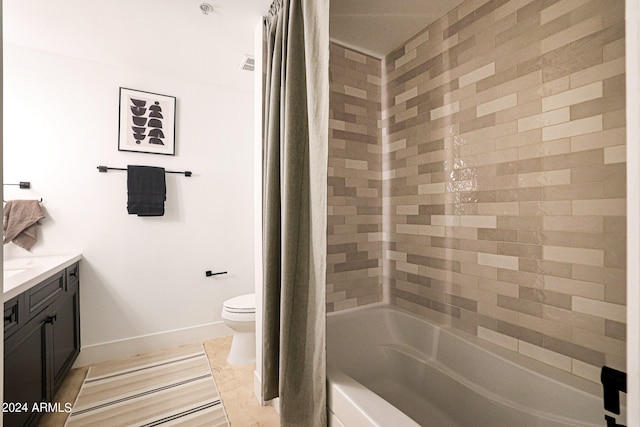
(352, 402)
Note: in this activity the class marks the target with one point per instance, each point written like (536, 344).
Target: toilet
(239, 314)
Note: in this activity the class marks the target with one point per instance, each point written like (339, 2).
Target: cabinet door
(65, 337)
(25, 371)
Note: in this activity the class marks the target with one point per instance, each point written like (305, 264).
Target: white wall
(633, 211)
(1, 192)
(258, 35)
(139, 276)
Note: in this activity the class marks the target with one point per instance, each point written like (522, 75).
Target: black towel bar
(106, 168)
(22, 184)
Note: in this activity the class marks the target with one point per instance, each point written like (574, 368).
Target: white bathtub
(389, 368)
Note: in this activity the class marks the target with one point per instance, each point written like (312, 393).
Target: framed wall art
(147, 122)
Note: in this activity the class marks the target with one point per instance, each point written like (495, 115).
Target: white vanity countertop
(20, 274)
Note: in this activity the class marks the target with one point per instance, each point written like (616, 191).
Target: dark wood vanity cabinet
(41, 342)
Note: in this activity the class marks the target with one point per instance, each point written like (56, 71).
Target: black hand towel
(147, 190)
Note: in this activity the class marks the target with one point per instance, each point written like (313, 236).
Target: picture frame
(147, 122)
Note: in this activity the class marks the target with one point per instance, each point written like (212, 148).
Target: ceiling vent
(247, 63)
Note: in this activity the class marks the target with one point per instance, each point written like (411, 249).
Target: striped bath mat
(166, 388)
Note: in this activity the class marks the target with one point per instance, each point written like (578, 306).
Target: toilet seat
(242, 304)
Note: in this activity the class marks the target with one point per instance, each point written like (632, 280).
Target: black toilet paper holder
(208, 273)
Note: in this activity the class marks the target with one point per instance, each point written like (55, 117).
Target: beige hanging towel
(19, 222)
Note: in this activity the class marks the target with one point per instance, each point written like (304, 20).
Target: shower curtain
(295, 148)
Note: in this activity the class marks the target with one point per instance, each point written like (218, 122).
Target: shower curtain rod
(106, 168)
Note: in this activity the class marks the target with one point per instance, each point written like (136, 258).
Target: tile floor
(235, 384)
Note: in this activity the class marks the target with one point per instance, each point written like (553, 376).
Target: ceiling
(168, 36)
(174, 37)
(378, 27)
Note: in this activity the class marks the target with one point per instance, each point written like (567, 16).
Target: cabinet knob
(51, 319)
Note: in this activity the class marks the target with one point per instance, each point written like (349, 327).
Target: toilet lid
(242, 304)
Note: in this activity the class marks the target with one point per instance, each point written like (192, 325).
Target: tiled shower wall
(504, 177)
(354, 239)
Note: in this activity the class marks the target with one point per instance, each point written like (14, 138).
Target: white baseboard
(257, 388)
(257, 391)
(96, 353)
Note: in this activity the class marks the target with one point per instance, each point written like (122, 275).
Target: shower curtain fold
(295, 150)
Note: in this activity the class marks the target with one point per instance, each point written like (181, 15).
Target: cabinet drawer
(40, 296)
(11, 315)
